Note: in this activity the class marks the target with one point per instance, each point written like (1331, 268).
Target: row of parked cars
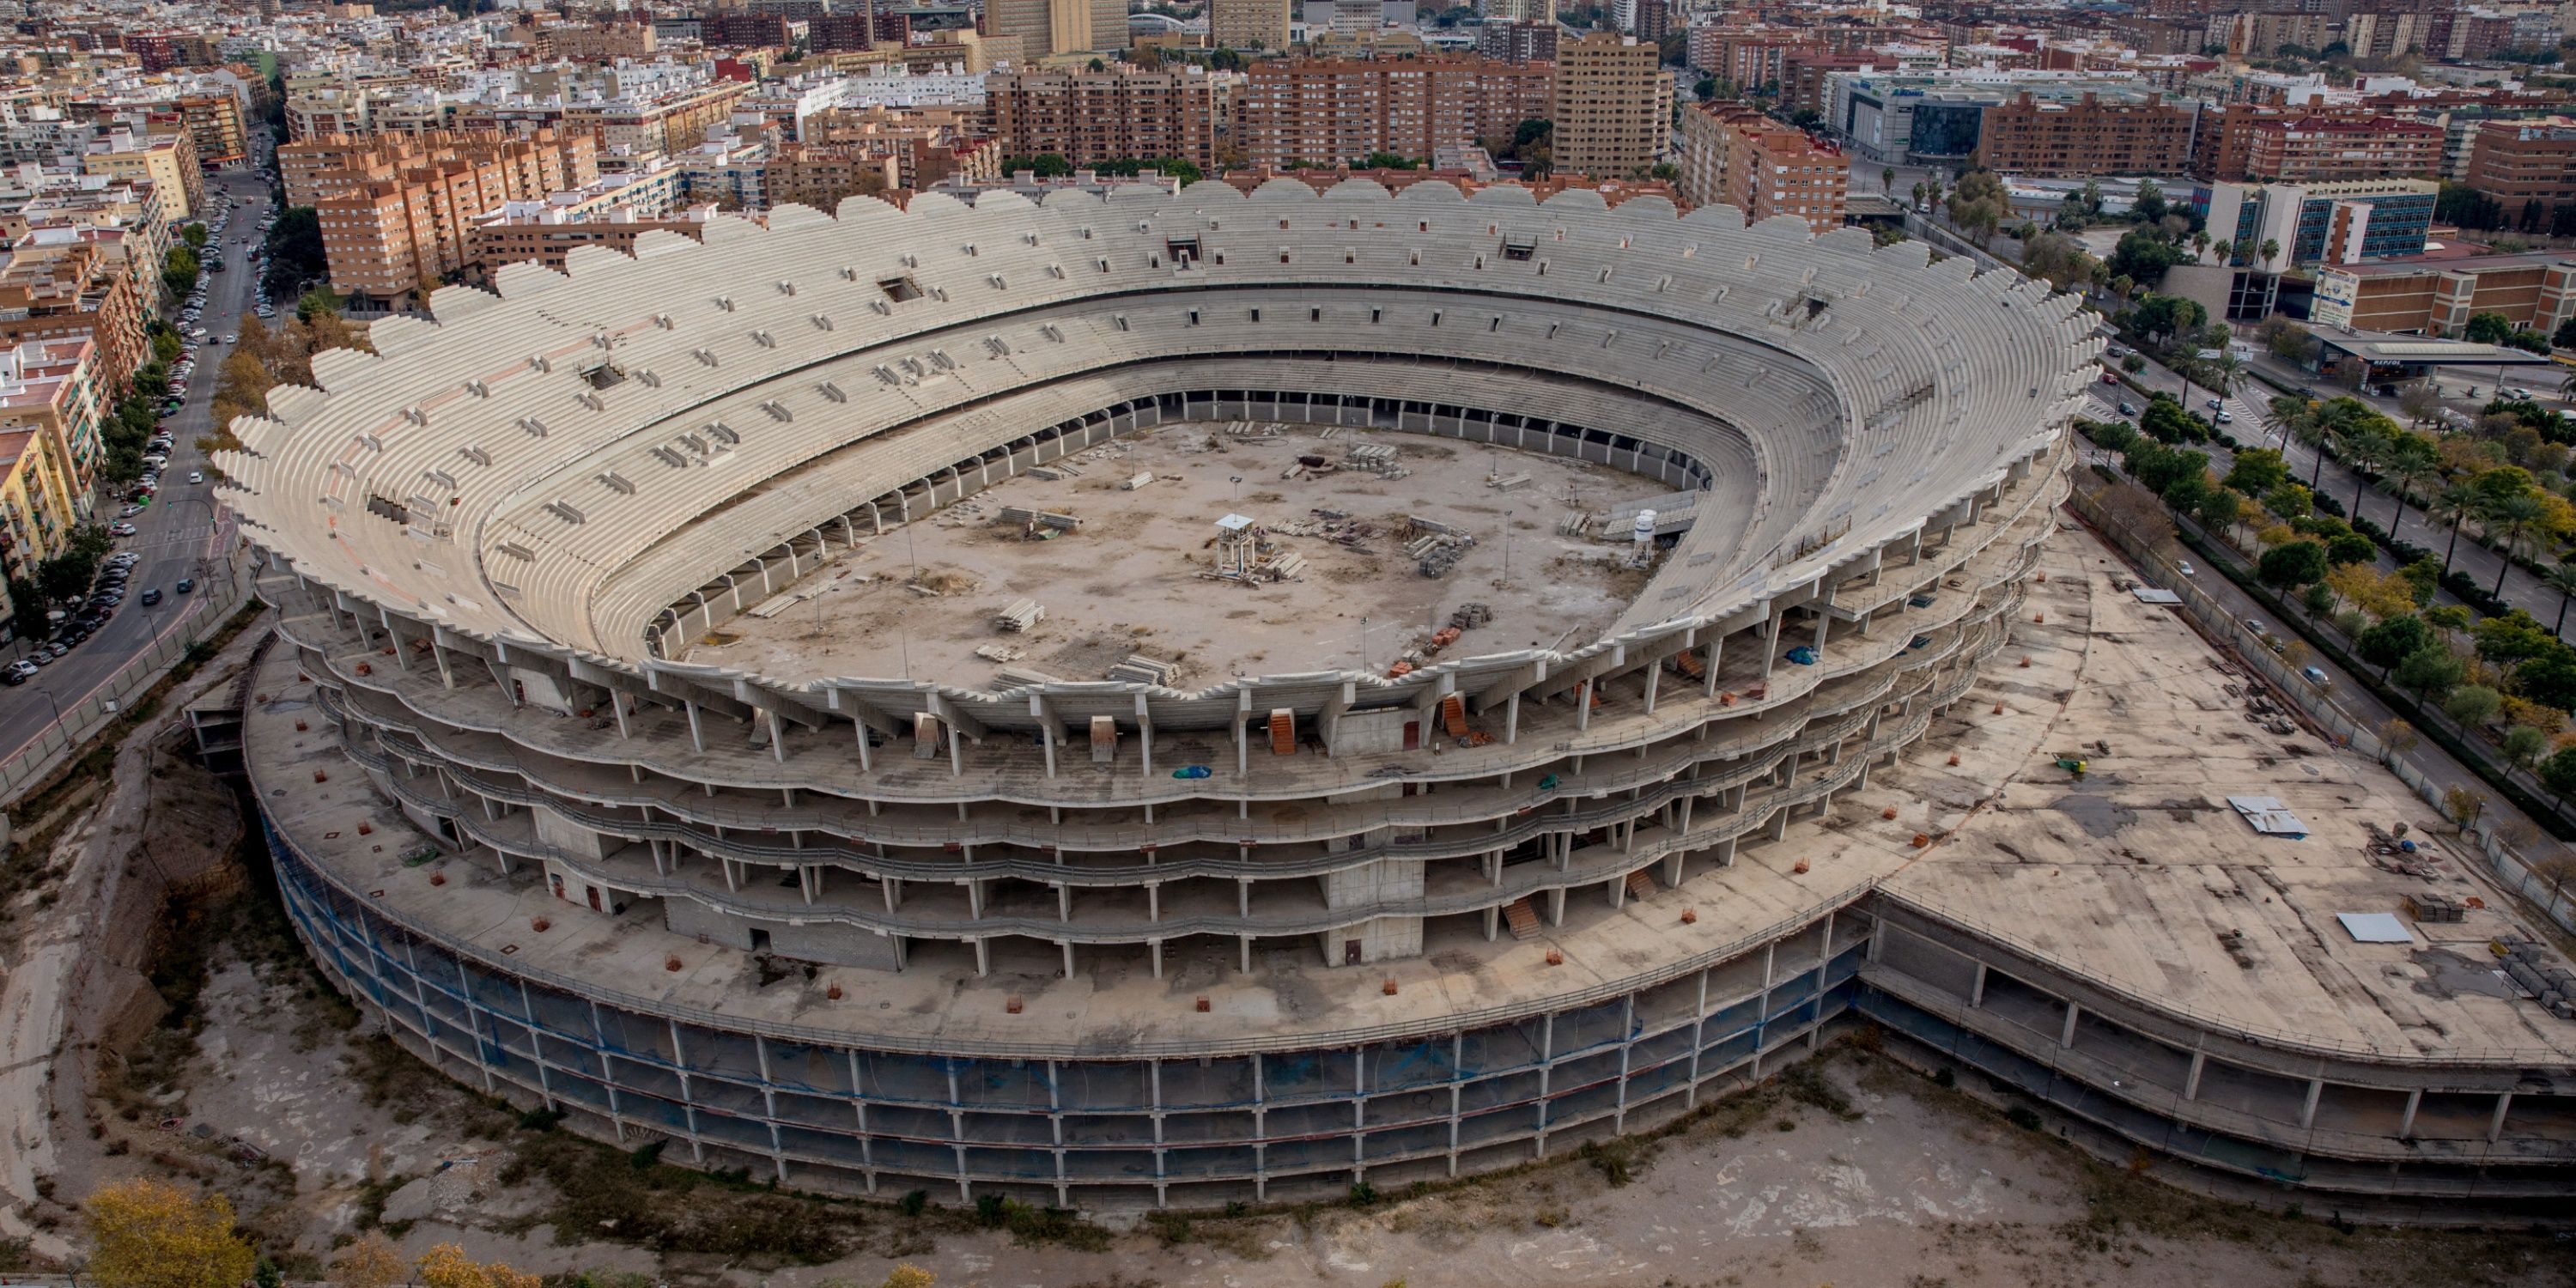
(105, 596)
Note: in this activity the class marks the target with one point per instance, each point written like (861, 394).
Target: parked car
(122, 530)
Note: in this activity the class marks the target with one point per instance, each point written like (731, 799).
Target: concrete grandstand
(1103, 926)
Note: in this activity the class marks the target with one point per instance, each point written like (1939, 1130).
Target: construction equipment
(2072, 762)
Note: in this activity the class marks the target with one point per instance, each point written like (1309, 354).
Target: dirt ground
(1134, 577)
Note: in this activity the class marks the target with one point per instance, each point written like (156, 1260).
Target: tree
(2271, 250)
(179, 271)
(1887, 184)
(2472, 704)
(2431, 671)
(447, 1266)
(2515, 515)
(2565, 338)
(2296, 563)
(195, 235)
(151, 1234)
(2523, 745)
(2489, 328)
(2257, 472)
(2351, 548)
(2558, 773)
(2563, 580)
(2411, 456)
(2166, 316)
(2143, 257)
(2454, 506)
(2149, 205)
(371, 1262)
(2221, 509)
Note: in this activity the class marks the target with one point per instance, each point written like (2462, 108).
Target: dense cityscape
(821, 643)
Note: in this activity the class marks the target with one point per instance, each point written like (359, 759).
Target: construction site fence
(81, 718)
(2505, 861)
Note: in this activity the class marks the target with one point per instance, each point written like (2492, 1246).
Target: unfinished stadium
(1187, 698)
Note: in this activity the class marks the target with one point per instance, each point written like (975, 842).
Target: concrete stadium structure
(873, 933)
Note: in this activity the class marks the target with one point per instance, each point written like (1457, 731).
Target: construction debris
(1021, 615)
(1018, 677)
(1434, 547)
(1028, 519)
(1510, 482)
(1140, 669)
(1000, 652)
(1137, 481)
(1469, 616)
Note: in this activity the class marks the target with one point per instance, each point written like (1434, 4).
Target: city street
(174, 534)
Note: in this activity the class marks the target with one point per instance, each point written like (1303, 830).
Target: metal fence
(2507, 863)
(78, 719)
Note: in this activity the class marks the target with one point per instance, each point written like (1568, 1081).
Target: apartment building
(1053, 28)
(2087, 136)
(525, 168)
(211, 118)
(49, 388)
(2316, 149)
(76, 289)
(1731, 154)
(1540, 11)
(1115, 115)
(1517, 42)
(398, 210)
(2521, 162)
(927, 144)
(166, 161)
(547, 234)
(1327, 112)
(122, 218)
(1612, 105)
(1249, 24)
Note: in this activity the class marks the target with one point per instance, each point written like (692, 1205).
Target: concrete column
(1708, 682)
(1654, 675)
(1977, 991)
(2406, 1125)
(2308, 1108)
(2191, 1081)
(1512, 719)
(2066, 1036)
(2495, 1125)
(1582, 706)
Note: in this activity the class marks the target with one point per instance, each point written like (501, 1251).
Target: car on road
(2223, 418)
(196, 476)
(2186, 569)
(232, 339)
(151, 597)
(122, 530)
(2128, 409)
(129, 512)
(2314, 675)
(2217, 404)
(2256, 626)
(185, 585)
(2517, 394)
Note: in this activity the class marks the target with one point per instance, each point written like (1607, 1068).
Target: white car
(196, 476)
(2186, 569)
(122, 530)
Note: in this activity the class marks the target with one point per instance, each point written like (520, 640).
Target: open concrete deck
(2129, 877)
(1138, 575)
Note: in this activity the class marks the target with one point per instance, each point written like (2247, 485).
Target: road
(174, 534)
(2251, 424)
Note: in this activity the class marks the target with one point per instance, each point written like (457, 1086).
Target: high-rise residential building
(1517, 42)
(1328, 112)
(75, 289)
(398, 210)
(1052, 28)
(167, 161)
(1732, 154)
(1612, 104)
(1249, 24)
(2519, 163)
(1114, 115)
(1517, 10)
(2313, 149)
(2086, 137)
(50, 388)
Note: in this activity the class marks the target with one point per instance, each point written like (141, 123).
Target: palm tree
(2563, 580)
(2456, 505)
(2363, 447)
(2515, 515)
(2199, 246)
(2318, 435)
(2271, 250)
(1887, 180)
(2413, 457)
